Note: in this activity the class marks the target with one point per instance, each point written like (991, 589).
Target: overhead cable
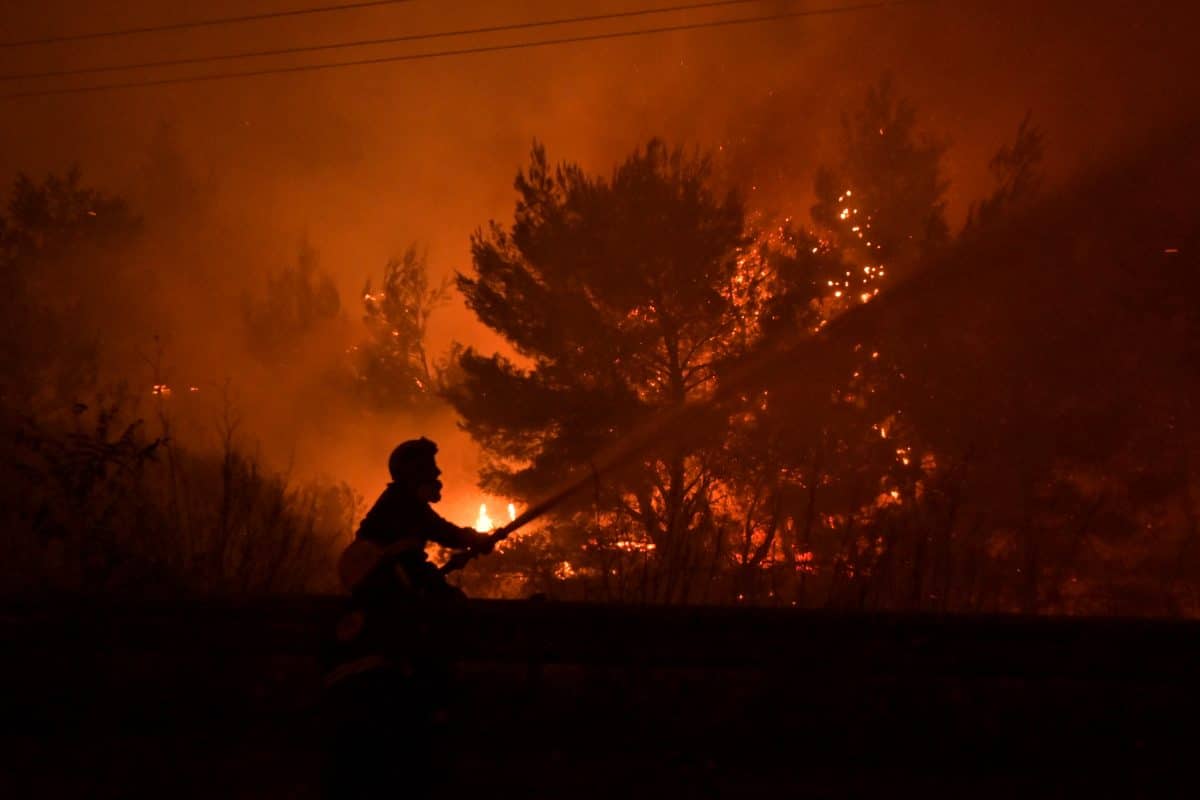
(512, 46)
(200, 23)
(409, 37)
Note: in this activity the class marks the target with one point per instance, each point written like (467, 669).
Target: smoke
(232, 176)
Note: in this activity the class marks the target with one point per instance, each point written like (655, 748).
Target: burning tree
(829, 480)
(823, 469)
(622, 296)
(392, 367)
(604, 286)
(883, 202)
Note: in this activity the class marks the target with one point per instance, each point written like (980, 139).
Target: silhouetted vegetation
(102, 506)
(95, 501)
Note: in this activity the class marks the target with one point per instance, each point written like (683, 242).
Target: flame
(483, 523)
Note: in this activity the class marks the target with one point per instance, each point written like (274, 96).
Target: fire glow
(484, 522)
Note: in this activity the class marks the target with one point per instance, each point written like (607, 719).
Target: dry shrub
(95, 503)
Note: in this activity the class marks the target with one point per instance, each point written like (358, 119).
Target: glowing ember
(631, 546)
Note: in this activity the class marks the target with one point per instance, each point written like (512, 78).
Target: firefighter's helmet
(413, 461)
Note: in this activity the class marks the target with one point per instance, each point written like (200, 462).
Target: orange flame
(483, 523)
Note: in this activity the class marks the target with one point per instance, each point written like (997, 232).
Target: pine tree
(621, 296)
(884, 201)
(392, 368)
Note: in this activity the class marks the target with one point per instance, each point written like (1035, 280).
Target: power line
(412, 37)
(200, 23)
(218, 76)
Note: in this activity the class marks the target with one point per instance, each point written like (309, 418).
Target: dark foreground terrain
(571, 701)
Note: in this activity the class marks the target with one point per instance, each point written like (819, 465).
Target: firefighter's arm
(486, 542)
(456, 537)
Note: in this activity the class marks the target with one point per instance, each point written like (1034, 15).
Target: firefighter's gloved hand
(484, 544)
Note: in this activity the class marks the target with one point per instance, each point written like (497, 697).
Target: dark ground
(562, 700)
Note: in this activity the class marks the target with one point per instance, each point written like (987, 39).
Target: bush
(94, 503)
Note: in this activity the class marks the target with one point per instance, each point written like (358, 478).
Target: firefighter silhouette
(386, 681)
